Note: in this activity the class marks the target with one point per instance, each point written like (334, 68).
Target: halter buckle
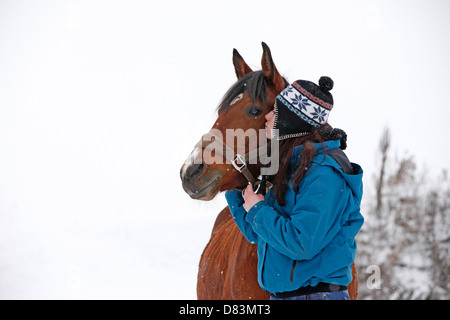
(241, 159)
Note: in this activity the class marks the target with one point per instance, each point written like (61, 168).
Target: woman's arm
(236, 205)
(317, 216)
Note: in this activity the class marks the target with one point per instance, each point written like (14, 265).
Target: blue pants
(337, 295)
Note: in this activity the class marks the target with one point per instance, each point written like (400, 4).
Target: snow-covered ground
(112, 255)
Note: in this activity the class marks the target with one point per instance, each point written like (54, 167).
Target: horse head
(243, 107)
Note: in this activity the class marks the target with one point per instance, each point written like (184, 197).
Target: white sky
(102, 101)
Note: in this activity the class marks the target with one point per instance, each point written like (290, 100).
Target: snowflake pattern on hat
(302, 107)
(296, 101)
(319, 115)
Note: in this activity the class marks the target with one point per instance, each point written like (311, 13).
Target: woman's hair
(284, 176)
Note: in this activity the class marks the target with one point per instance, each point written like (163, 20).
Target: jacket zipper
(292, 270)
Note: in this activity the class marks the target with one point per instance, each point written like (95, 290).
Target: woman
(305, 226)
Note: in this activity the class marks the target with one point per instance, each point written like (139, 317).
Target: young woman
(305, 226)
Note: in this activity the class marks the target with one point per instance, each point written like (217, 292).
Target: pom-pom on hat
(302, 107)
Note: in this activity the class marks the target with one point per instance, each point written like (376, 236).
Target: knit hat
(302, 107)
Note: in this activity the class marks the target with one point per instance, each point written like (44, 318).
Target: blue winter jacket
(311, 239)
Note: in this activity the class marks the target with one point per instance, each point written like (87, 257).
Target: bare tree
(406, 231)
(385, 143)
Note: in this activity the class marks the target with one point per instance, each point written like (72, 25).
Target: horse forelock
(254, 83)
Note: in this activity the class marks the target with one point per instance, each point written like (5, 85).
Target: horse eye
(253, 111)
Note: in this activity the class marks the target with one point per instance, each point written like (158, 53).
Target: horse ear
(270, 71)
(240, 66)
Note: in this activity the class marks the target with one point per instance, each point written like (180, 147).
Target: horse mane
(254, 83)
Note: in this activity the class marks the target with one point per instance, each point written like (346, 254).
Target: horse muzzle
(204, 192)
(201, 189)
(199, 182)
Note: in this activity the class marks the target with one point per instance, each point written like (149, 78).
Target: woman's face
(270, 120)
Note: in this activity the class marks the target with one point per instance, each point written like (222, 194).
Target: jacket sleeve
(316, 218)
(236, 205)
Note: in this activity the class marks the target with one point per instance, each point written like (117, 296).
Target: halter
(240, 162)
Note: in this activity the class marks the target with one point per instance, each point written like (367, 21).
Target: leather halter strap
(239, 161)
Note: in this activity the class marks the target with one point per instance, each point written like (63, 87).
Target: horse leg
(353, 286)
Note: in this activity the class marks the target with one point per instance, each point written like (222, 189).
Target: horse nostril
(195, 170)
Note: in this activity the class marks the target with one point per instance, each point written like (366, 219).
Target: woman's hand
(251, 198)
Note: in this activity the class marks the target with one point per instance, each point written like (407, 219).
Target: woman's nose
(269, 115)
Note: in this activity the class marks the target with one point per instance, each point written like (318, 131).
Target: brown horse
(228, 266)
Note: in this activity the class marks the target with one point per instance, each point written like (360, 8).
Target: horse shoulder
(223, 217)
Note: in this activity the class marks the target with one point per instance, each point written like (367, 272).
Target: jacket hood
(320, 149)
(327, 154)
